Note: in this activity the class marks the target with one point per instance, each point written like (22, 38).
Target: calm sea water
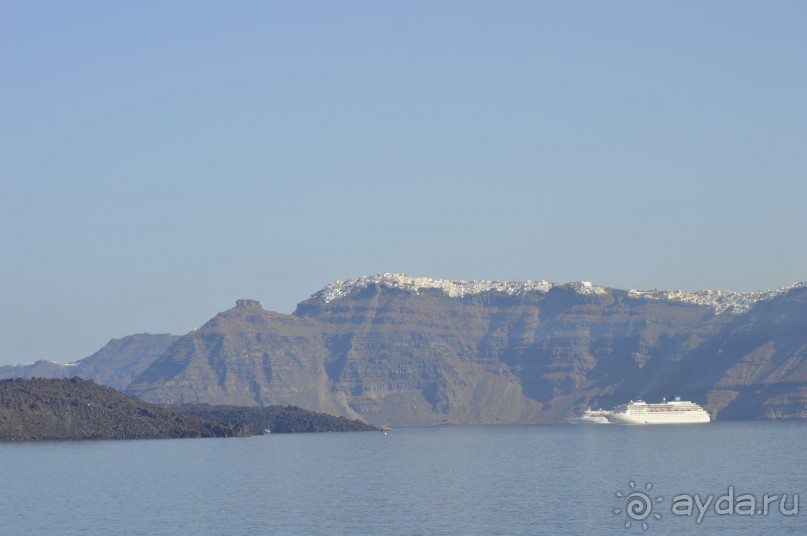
(551, 479)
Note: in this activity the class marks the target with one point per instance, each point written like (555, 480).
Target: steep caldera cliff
(402, 350)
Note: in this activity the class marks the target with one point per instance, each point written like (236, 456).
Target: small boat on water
(591, 416)
(385, 428)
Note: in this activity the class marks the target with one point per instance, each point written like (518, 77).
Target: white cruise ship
(673, 412)
(591, 416)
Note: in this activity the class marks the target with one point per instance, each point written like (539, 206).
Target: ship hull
(588, 420)
(591, 417)
(644, 419)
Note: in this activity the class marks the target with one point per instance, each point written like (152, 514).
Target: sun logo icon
(638, 505)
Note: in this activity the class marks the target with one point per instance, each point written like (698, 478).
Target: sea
(718, 478)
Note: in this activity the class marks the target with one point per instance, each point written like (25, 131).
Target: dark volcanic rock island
(41, 409)
(276, 419)
(48, 409)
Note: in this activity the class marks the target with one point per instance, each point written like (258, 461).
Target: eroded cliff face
(423, 355)
(488, 357)
(244, 356)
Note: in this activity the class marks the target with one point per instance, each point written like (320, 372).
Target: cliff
(402, 350)
(413, 351)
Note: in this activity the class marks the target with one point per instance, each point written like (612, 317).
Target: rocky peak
(248, 304)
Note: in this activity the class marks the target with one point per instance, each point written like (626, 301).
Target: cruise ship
(591, 416)
(674, 412)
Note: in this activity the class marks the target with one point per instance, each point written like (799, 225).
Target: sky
(159, 160)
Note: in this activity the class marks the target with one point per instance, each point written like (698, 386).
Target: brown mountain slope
(387, 354)
(383, 351)
(245, 356)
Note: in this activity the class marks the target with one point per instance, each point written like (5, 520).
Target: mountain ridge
(719, 300)
(403, 350)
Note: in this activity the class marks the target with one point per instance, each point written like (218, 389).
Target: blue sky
(160, 160)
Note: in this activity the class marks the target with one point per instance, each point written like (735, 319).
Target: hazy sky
(160, 160)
